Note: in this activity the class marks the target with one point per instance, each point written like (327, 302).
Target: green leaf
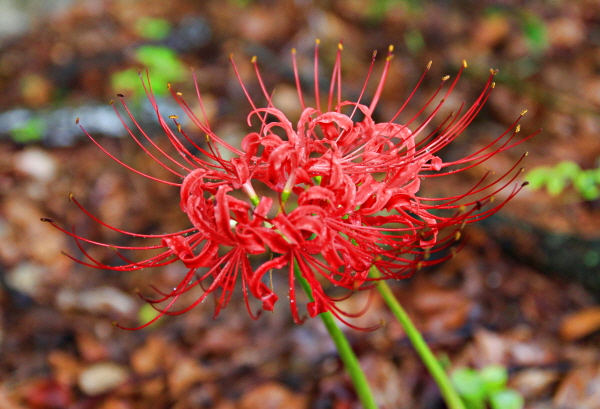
(378, 9)
(414, 41)
(126, 80)
(240, 3)
(470, 387)
(568, 169)
(535, 32)
(31, 131)
(556, 185)
(494, 378)
(591, 258)
(444, 361)
(147, 313)
(538, 177)
(585, 182)
(590, 193)
(153, 28)
(507, 399)
(586, 185)
(596, 173)
(163, 60)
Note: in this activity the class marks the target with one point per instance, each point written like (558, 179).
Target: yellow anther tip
(293, 51)
(173, 117)
(465, 63)
(523, 112)
(446, 78)
(429, 64)
(76, 120)
(253, 60)
(317, 41)
(391, 48)
(340, 46)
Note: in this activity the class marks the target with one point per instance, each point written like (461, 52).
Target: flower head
(342, 195)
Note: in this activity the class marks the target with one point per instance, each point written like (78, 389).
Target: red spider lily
(347, 193)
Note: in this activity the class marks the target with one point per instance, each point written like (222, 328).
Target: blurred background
(523, 293)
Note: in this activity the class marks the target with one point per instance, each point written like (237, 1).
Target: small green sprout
(535, 32)
(147, 313)
(153, 28)
(31, 131)
(161, 61)
(486, 388)
(556, 179)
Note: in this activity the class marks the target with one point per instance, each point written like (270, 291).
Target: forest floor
(522, 293)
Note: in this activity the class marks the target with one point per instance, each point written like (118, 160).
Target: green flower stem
(433, 365)
(344, 349)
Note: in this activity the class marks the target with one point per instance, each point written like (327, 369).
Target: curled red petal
(182, 249)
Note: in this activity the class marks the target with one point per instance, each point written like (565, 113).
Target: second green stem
(434, 367)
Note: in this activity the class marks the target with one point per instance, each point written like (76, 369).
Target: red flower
(347, 193)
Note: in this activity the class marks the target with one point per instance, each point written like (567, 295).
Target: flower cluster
(341, 196)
